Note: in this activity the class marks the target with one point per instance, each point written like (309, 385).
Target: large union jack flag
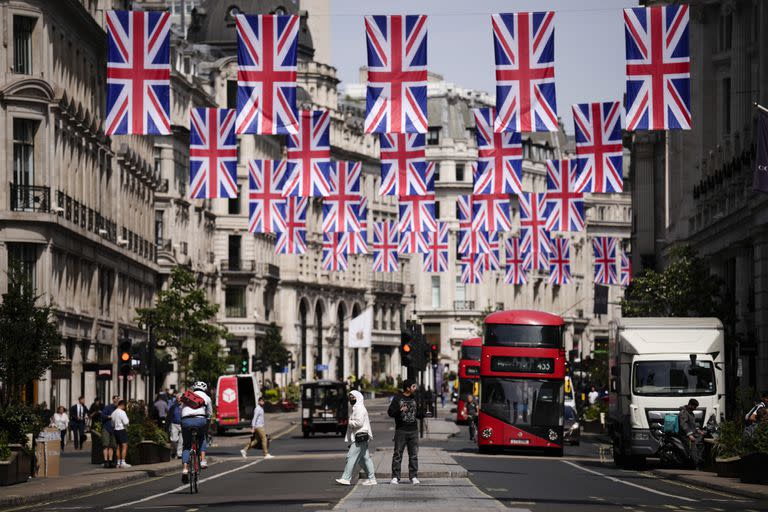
(341, 208)
(524, 44)
(605, 259)
(266, 205)
(334, 257)
(535, 242)
(515, 262)
(491, 212)
(266, 73)
(356, 242)
(499, 157)
(294, 239)
(472, 268)
(436, 257)
(417, 213)
(212, 153)
(309, 155)
(560, 262)
(413, 242)
(625, 270)
(599, 149)
(386, 238)
(658, 68)
(402, 164)
(565, 207)
(138, 73)
(396, 100)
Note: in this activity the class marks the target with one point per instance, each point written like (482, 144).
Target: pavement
(712, 481)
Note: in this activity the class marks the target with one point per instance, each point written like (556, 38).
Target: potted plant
(754, 464)
(728, 449)
(8, 466)
(97, 448)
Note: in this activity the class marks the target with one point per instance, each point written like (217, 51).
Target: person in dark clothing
(77, 415)
(472, 416)
(690, 430)
(94, 411)
(403, 408)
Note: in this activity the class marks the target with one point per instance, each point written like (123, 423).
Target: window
(433, 136)
(24, 255)
(23, 151)
(234, 204)
(234, 301)
(22, 44)
(726, 106)
(435, 292)
(459, 172)
(674, 378)
(437, 171)
(726, 31)
(234, 252)
(159, 228)
(232, 94)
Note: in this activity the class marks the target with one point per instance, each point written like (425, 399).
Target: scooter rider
(688, 428)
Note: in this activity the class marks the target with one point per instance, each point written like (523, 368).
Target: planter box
(591, 426)
(728, 468)
(149, 452)
(97, 449)
(17, 469)
(164, 453)
(753, 468)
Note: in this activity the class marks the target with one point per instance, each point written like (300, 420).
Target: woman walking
(358, 434)
(61, 421)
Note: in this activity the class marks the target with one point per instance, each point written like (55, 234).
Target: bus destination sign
(472, 370)
(522, 364)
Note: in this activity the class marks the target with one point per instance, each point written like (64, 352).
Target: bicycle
(194, 463)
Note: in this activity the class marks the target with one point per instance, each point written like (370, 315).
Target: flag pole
(760, 107)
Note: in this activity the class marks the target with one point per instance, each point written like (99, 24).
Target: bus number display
(472, 370)
(522, 364)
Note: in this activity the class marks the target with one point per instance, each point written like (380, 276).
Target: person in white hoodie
(359, 433)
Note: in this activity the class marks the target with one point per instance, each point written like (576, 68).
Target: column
(761, 308)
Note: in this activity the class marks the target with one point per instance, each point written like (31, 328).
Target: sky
(589, 43)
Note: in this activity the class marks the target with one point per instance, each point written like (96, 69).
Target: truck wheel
(619, 458)
(637, 462)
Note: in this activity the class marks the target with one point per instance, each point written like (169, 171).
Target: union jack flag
(138, 73)
(402, 164)
(334, 257)
(491, 260)
(658, 68)
(417, 213)
(564, 206)
(476, 242)
(396, 100)
(625, 271)
(266, 204)
(341, 209)
(491, 212)
(266, 73)
(560, 262)
(605, 259)
(599, 149)
(356, 242)
(309, 155)
(472, 269)
(294, 239)
(464, 203)
(413, 242)
(212, 153)
(386, 238)
(524, 44)
(436, 257)
(515, 264)
(499, 157)
(534, 237)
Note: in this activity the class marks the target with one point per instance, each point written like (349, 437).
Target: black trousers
(406, 439)
(78, 432)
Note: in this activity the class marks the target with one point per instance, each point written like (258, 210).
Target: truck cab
(656, 365)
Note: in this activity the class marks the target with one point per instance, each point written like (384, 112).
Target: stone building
(695, 187)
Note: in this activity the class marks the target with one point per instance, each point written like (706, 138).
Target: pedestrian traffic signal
(434, 350)
(125, 358)
(243, 367)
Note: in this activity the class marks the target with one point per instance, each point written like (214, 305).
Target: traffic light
(243, 366)
(434, 350)
(125, 356)
(406, 348)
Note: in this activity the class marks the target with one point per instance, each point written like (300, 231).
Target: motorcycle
(675, 448)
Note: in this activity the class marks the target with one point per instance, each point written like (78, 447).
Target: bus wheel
(306, 433)
(486, 450)
(557, 452)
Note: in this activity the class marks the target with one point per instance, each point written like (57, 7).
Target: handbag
(362, 437)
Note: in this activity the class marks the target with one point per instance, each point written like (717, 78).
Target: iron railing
(28, 198)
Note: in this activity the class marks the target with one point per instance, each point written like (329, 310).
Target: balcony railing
(28, 198)
(271, 270)
(235, 265)
(388, 287)
(463, 305)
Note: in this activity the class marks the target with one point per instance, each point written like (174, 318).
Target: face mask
(352, 401)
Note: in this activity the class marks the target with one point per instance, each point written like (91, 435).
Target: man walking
(258, 432)
(403, 409)
(174, 419)
(77, 415)
(472, 416)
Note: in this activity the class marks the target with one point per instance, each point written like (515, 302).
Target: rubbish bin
(48, 452)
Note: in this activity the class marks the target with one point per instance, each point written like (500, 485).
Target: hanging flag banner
(386, 238)
(212, 153)
(360, 327)
(605, 260)
(599, 150)
(565, 207)
(403, 164)
(309, 156)
(760, 182)
(294, 239)
(266, 205)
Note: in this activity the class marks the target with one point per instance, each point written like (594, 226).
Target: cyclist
(195, 413)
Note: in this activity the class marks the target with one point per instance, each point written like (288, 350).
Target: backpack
(671, 425)
(192, 400)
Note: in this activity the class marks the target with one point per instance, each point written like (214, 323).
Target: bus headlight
(487, 433)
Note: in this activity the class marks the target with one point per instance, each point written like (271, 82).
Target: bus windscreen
(472, 353)
(509, 335)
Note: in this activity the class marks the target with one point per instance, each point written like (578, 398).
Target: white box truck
(655, 366)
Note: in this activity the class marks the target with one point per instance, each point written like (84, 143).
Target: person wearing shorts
(120, 419)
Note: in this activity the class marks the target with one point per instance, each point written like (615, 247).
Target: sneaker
(415, 481)
(242, 452)
(203, 464)
(269, 456)
(394, 481)
(119, 464)
(106, 464)
(126, 465)
(370, 481)
(343, 481)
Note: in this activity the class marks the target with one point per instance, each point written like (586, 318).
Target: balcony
(236, 265)
(463, 305)
(387, 287)
(271, 271)
(27, 198)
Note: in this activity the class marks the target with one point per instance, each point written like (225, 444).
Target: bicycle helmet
(200, 386)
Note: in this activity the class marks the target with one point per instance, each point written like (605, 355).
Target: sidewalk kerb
(722, 487)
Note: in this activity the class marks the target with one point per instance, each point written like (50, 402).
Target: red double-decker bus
(469, 374)
(522, 372)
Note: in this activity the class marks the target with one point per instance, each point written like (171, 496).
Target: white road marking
(631, 484)
(182, 487)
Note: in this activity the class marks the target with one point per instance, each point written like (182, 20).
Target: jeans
(176, 440)
(78, 433)
(358, 454)
(472, 427)
(187, 424)
(63, 438)
(403, 439)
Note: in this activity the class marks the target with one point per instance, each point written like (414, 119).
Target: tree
(185, 319)
(29, 337)
(684, 288)
(273, 352)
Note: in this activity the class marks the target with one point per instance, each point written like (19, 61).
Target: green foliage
(5, 451)
(141, 428)
(684, 288)
(293, 393)
(759, 440)
(185, 319)
(273, 352)
(272, 395)
(729, 442)
(18, 420)
(29, 338)
(593, 411)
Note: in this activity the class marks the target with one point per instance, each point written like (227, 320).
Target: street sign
(321, 367)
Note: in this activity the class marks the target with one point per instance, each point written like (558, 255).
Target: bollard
(602, 422)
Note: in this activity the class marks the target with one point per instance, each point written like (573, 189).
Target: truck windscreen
(674, 378)
(508, 335)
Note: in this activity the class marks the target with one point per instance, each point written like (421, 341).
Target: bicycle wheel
(193, 470)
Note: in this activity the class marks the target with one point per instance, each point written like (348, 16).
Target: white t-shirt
(206, 410)
(593, 396)
(120, 419)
